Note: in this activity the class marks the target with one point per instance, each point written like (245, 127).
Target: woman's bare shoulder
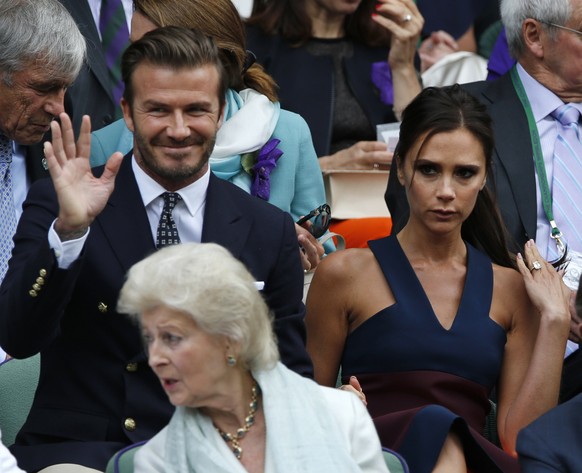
(508, 278)
(509, 294)
(347, 261)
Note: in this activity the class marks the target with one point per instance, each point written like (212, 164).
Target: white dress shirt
(188, 214)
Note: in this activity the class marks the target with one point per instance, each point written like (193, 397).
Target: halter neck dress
(421, 380)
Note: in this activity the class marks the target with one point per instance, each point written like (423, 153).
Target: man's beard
(179, 173)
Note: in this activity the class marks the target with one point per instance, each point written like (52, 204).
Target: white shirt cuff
(67, 252)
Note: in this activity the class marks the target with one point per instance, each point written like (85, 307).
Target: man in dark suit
(544, 38)
(79, 235)
(42, 52)
(90, 94)
(551, 444)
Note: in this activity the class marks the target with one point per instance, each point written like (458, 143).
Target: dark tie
(7, 209)
(167, 231)
(115, 38)
(567, 180)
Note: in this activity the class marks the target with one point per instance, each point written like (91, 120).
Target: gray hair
(515, 12)
(42, 33)
(205, 281)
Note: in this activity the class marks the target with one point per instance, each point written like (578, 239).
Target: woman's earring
(230, 360)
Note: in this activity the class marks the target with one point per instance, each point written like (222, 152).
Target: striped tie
(7, 210)
(567, 181)
(115, 38)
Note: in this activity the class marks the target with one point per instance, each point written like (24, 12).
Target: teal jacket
(296, 183)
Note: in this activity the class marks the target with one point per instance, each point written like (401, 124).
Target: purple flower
(267, 159)
(382, 79)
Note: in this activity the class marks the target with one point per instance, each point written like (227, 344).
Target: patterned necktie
(7, 210)
(567, 180)
(115, 38)
(167, 231)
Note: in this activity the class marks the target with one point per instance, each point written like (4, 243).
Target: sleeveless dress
(422, 381)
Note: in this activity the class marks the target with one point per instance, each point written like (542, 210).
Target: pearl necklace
(234, 439)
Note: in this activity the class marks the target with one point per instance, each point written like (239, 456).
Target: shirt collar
(193, 195)
(541, 99)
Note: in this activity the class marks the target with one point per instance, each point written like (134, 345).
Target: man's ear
(532, 34)
(127, 115)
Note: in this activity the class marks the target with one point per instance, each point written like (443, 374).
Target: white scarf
(249, 121)
(302, 433)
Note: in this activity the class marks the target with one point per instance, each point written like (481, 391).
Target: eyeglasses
(321, 221)
(555, 25)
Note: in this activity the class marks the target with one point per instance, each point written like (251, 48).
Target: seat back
(122, 461)
(394, 461)
(18, 381)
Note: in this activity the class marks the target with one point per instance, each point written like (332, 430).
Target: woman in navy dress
(426, 323)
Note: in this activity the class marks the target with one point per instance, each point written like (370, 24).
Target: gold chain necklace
(234, 439)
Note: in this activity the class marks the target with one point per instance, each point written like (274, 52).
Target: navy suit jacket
(551, 444)
(94, 373)
(513, 168)
(90, 94)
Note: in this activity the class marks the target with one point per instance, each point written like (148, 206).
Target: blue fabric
(422, 380)
(551, 444)
(389, 341)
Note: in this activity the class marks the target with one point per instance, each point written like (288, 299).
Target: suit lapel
(124, 220)
(81, 13)
(224, 219)
(513, 147)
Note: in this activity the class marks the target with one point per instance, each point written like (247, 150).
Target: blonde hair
(205, 281)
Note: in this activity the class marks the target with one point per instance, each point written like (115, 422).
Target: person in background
(427, 322)
(82, 230)
(463, 20)
(97, 90)
(343, 66)
(209, 340)
(265, 150)
(42, 52)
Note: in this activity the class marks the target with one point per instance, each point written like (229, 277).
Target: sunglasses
(321, 219)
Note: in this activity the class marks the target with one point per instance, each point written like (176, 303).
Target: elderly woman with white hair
(210, 342)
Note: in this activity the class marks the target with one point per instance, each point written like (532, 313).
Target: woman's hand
(404, 21)
(438, 45)
(310, 249)
(355, 388)
(363, 155)
(545, 287)
(81, 195)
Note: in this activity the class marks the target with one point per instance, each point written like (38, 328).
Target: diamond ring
(407, 18)
(535, 265)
